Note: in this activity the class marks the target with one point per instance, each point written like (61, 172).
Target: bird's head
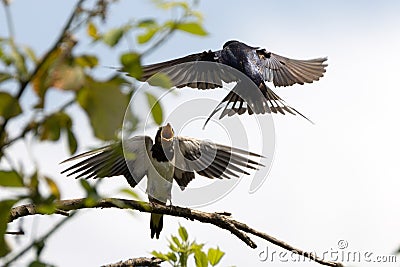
(228, 43)
(163, 146)
(167, 133)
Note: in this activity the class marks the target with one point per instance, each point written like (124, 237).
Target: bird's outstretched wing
(283, 71)
(199, 76)
(210, 160)
(113, 160)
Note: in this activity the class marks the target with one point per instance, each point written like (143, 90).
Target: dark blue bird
(256, 63)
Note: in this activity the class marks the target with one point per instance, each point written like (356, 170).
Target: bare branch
(142, 261)
(220, 220)
(10, 23)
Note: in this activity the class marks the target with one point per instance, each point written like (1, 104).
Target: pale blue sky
(336, 180)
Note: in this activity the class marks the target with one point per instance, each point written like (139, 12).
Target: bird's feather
(209, 160)
(113, 160)
(283, 71)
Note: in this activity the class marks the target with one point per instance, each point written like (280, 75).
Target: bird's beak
(167, 133)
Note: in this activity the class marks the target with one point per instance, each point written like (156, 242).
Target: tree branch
(237, 228)
(142, 261)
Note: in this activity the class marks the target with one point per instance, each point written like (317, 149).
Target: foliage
(181, 250)
(72, 73)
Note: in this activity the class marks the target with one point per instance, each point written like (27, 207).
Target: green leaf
(113, 36)
(40, 82)
(159, 255)
(195, 247)
(39, 246)
(58, 70)
(174, 4)
(183, 233)
(53, 187)
(171, 256)
(67, 76)
(176, 241)
(31, 54)
(11, 179)
(155, 108)
(91, 193)
(161, 80)
(173, 248)
(5, 76)
(105, 104)
(52, 125)
(131, 64)
(145, 37)
(72, 143)
(51, 129)
(91, 30)
(19, 62)
(191, 27)
(46, 208)
(37, 264)
(201, 259)
(5, 207)
(34, 187)
(9, 106)
(87, 61)
(7, 60)
(215, 255)
(146, 23)
(130, 192)
(88, 188)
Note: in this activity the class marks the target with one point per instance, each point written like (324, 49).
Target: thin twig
(161, 40)
(10, 24)
(20, 232)
(38, 241)
(239, 229)
(164, 37)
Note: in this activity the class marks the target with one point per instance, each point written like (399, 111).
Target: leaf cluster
(73, 73)
(181, 250)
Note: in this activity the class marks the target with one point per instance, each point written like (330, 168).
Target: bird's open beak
(167, 133)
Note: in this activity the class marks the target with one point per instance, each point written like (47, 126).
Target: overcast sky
(335, 180)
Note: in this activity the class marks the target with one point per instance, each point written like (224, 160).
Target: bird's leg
(170, 205)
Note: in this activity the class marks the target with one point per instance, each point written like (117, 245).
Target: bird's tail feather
(156, 224)
(255, 102)
(277, 104)
(239, 100)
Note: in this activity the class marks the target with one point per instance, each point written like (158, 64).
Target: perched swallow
(256, 63)
(169, 158)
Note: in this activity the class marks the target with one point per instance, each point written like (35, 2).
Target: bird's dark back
(242, 57)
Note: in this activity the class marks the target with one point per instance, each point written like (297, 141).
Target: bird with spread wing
(166, 159)
(256, 63)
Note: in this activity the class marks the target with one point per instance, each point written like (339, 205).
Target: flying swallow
(256, 63)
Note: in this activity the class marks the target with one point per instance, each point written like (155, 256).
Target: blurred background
(335, 180)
